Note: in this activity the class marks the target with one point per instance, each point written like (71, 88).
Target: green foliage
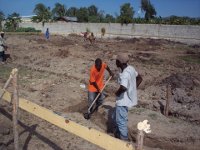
(172, 20)
(72, 11)
(103, 31)
(92, 10)
(94, 19)
(59, 10)
(82, 14)
(109, 19)
(148, 8)
(126, 13)
(191, 59)
(29, 29)
(43, 14)
(12, 22)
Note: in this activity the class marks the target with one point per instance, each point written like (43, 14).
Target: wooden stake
(15, 110)
(140, 140)
(168, 96)
(7, 82)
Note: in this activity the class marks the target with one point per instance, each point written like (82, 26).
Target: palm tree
(12, 21)
(43, 13)
(148, 8)
(59, 10)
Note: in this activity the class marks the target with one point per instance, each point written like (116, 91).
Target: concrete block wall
(183, 33)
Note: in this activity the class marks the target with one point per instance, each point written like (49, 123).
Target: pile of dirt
(184, 81)
(62, 53)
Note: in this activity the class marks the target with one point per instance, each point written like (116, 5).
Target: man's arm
(110, 72)
(138, 80)
(121, 90)
(96, 86)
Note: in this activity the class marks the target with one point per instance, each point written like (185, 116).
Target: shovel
(88, 113)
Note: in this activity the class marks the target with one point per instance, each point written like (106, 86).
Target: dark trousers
(2, 56)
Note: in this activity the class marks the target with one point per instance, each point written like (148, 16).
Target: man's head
(122, 59)
(98, 64)
(2, 34)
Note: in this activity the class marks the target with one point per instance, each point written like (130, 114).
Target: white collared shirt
(128, 79)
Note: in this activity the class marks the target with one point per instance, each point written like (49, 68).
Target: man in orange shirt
(96, 82)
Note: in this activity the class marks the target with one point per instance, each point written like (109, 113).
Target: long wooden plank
(96, 137)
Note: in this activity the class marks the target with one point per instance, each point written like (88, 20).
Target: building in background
(27, 18)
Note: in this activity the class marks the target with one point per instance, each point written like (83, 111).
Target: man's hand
(112, 74)
(121, 90)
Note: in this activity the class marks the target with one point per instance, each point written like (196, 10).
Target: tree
(12, 21)
(2, 17)
(126, 13)
(109, 19)
(43, 13)
(72, 11)
(148, 8)
(82, 14)
(92, 10)
(59, 10)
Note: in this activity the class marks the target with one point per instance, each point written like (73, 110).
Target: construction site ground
(53, 73)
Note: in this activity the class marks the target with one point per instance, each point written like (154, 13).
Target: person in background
(126, 95)
(47, 34)
(3, 48)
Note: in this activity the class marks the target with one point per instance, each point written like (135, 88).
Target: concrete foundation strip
(103, 140)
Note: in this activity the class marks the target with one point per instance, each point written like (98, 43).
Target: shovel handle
(99, 94)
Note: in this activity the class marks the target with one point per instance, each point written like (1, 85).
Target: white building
(27, 18)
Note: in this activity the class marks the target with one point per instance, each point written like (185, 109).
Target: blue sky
(164, 8)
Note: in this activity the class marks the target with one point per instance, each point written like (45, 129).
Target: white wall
(183, 33)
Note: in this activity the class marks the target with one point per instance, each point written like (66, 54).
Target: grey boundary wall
(183, 33)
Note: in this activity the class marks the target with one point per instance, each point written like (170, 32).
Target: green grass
(5, 72)
(153, 116)
(191, 59)
(173, 120)
(137, 111)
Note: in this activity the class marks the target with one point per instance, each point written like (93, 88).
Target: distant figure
(91, 38)
(47, 34)
(3, 48)
(88, 36)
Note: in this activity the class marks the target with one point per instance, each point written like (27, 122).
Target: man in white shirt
(3, 47)
(126, 95)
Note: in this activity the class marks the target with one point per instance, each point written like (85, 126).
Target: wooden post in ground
(6, 84)
(15, 110)
(168, 96)
(140, 140)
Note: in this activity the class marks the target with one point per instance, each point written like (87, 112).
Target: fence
(183, 33)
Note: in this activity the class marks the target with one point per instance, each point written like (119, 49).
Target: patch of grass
(23, 72)
(137, 111)
(5, 72)
(153, 116)
(173, 120)
(191, 59)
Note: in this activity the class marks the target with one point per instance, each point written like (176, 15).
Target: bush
(29, 29)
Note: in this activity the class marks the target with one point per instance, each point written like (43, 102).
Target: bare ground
(51, 73)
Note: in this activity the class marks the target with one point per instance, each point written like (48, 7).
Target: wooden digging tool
(88, 113)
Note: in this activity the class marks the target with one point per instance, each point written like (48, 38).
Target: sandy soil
(51, 72)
